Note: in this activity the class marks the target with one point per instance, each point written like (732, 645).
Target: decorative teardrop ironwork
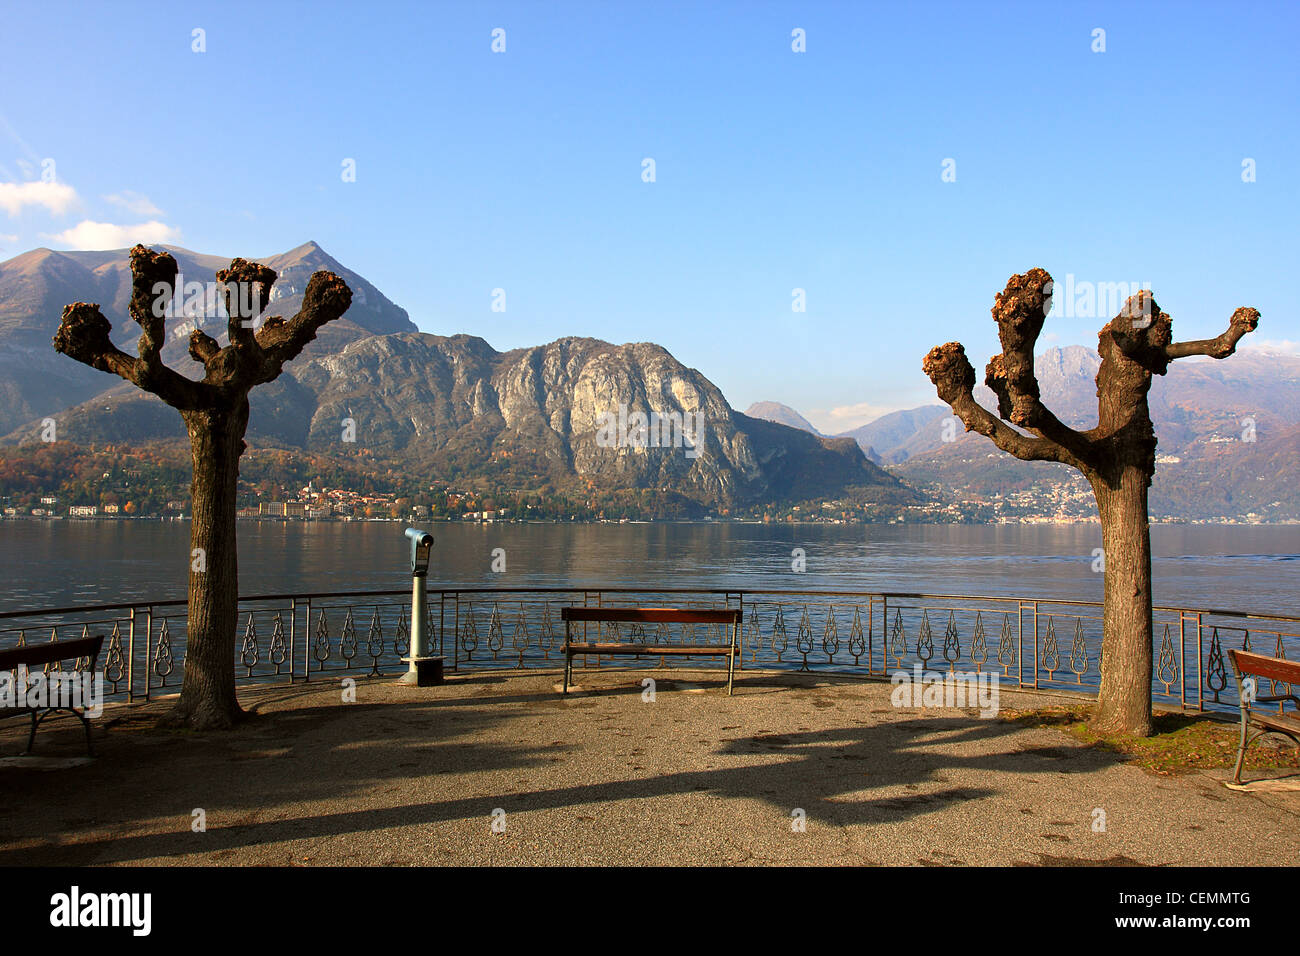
(804, 638)
(496, 634)
(1216, 673)
(402, 642)
(320, 647)
(780, 639)
(162, 655)
(979, 645)
(115, 659)
(898, 639)
(1078, 652)
(1167, 670)
(549, 635)
(519, 635)
(857, 639)
(1051, 650)
(278, 652)
(375, 642)
(469, 633)
(830, 636)
(249, 655)
(753, 633)
(348, 639)
(925, 642)
(1280, 688)
(952, 643)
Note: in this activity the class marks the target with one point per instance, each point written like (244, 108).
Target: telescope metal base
(424, 672)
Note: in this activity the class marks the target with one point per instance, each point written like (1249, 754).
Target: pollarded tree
(1118, 457)
(215, 412)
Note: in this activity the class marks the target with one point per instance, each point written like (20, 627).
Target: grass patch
(1180, 744)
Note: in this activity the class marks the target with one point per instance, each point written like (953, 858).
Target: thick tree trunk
(1124, 705)
(207, 700)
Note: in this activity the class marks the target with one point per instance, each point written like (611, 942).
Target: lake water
(55, 563)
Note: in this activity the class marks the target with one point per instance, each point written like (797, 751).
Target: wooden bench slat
(1261, 665)
(49, 652)
(1275, 721)
(719, 650)
(652, 615)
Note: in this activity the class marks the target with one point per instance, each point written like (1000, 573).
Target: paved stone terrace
(412, 776)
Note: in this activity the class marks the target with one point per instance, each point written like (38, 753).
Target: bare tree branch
(84, 335)
(1141, 332)
(246, 288)
(1243, 320)
(153, 282)
(954, 380)
(1020, 310)
(203, 347)
(327, 297)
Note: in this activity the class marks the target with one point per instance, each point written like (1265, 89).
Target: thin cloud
(90, 235)
(848, 417)
(21, 143)
(135, 203)
(54, 197)
(1273, 346)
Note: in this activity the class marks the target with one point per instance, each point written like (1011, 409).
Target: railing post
(1020, 643)
(884, 634)
(871, 633)
(1182, 659)
(306, 645)
(293, 638)
(130, 660)
(740, 637)
(1200, 656)
(442, 622)
(1035, 645)
(148, 652)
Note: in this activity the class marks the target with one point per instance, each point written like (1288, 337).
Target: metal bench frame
(1244, 664)
(36, 655)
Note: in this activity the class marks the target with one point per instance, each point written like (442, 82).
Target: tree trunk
(207, 700)
(1125, 700)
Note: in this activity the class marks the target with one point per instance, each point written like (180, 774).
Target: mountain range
(35, 381)
(456, 408)
(451, 406)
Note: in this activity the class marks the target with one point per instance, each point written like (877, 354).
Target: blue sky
(775, 170)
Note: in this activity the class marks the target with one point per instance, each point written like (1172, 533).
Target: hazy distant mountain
(1203, 410)
(899, 435)
(781, 414)
(35, 381)
(454, 406)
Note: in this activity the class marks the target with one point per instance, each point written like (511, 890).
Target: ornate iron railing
(1029, 642)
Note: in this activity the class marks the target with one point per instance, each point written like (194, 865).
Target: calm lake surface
(58, 563)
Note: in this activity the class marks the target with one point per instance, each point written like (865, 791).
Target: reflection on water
(52, 563)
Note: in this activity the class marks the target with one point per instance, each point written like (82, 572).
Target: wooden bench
(649, 615)
(1245, 664)
(38, 655)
